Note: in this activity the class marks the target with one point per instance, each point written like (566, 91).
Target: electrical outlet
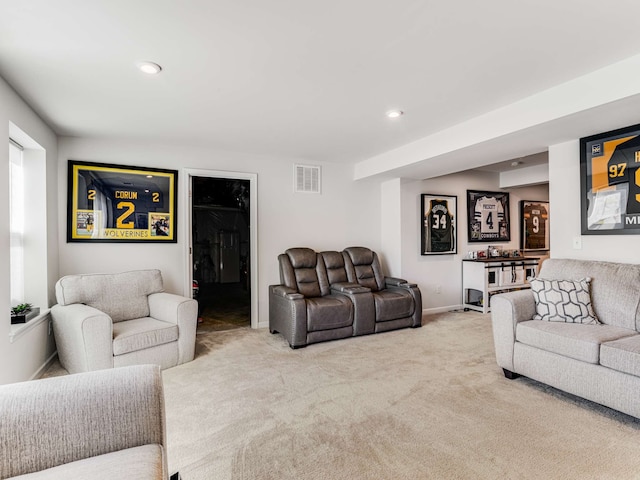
(577, 243)
(438, 288)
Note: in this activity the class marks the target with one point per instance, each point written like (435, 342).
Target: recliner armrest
(286, 292)
(394, 282)
(349, 288)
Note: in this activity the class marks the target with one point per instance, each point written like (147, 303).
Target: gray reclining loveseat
(331, 295)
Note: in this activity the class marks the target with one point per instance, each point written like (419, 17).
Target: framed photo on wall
(439, 224)
(117, 203)
(610, 182)
(488, 216)
(534, 225)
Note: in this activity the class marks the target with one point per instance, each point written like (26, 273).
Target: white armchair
(113, 320)
(96, 425)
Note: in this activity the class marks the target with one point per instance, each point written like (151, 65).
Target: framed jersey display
(117, 203)
(610, 182)
(534, 225)
(488, 216)
(439, 224)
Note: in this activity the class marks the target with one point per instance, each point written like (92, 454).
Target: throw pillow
(563, 300)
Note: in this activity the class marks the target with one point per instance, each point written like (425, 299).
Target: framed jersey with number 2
(118, 203)
(438, 219)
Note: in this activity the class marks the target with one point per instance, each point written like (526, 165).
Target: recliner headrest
(333, 259)
(360, 255)
(302, 257)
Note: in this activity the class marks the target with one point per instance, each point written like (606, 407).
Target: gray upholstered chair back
(122, 296)
(334, 265)
(363, 267)
(302, 269)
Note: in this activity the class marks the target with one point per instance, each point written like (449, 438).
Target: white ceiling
(298, 78)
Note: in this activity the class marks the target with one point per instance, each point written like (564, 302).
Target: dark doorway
(221, 252)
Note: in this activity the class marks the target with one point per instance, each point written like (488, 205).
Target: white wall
(564, 197)
(346, 213)
(446, 270)
(23, 358)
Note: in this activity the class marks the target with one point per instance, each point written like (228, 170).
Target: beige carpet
(425, 403)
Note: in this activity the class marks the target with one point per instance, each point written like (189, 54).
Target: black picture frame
(438, 220)
(488, 217)
(119, 203)
(610, 182)
(534, 225)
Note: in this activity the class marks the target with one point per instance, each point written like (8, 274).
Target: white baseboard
(431, 311)
(44, 366)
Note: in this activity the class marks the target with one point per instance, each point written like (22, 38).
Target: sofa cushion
(622, 355)
(392, 304)
(573, 340)
(329, 312)
(137, 463)
(614, 287)
(122, 296)
(563, 300)
(142, 333)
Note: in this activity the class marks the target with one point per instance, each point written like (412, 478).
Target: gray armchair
(397, 303)
(304, 309)
(98, 425)
(113, 320)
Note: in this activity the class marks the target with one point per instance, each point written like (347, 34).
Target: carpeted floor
(426, 403)
(223, 307)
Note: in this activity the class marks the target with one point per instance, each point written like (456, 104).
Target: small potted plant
(19, 313)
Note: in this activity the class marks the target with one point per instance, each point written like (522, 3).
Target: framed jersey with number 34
(439, 224)
(118, 203)
(610, 182)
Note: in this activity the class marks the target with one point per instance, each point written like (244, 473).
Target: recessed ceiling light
(394, 113)
(516, 163)
(149, 68)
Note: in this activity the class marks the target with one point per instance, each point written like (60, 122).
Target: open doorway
(221, 252)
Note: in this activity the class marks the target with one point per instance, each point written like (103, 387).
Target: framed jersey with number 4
(438, 220)
(488, 216)
(534, 225)
(117, 203)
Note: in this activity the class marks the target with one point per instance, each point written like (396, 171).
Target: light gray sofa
(114, 320)
(599, 362)
(99, 425)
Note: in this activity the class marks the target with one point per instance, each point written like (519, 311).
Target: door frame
(187, 196)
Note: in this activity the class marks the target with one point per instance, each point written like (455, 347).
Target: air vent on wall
(306, 179)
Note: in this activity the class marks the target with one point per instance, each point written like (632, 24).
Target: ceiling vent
(306, 179)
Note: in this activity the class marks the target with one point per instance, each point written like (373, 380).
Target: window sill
(19, 329)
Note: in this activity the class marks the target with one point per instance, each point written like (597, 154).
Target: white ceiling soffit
(305, 80)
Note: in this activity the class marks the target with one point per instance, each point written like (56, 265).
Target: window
(16, 222)
(28, 225)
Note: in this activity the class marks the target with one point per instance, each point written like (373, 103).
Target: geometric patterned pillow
(563, 300)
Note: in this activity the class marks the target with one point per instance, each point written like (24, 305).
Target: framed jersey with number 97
(610, 182)
(439, 224)
(117, 203)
